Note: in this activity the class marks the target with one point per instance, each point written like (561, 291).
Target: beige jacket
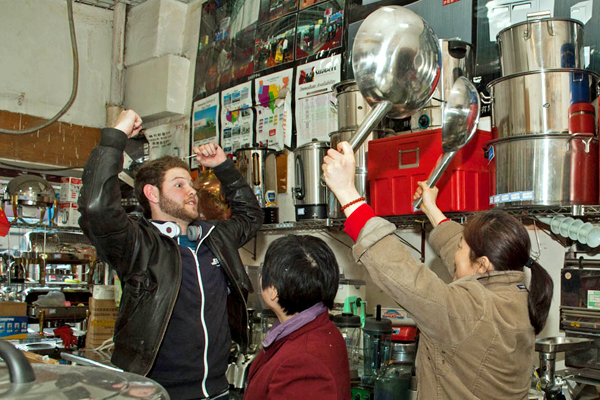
(476, 339)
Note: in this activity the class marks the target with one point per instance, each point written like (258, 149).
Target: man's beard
(176, 210)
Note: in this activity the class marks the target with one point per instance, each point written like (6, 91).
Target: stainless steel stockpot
(538, 102)
(544, 170)
(310, 191)
(541, 43)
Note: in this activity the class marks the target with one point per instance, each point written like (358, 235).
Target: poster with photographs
(316, 114)
(224, 29)
(205, 120)
(319, 28)
(274, 44)
(273, 9)
(308, 3)
(237, 118)
(273, 105)
(243, 52)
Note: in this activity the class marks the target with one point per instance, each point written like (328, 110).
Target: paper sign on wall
(237, 118)
(316, 113)
(273, 105)
(206, 120)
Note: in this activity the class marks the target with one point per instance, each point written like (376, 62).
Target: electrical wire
(20, 167)
(74, 87)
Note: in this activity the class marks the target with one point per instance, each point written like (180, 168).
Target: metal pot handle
(19, 369)
(255, 169)
(586, 139)
(537, 16)
(299, 189)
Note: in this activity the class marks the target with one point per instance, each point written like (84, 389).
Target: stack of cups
(544, 150)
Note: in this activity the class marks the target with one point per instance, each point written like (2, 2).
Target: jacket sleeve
(246, 214)
(103, 219)
(443, 312)
(444, 240)
(299, 376)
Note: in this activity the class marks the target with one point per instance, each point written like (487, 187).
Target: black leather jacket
(149, 264)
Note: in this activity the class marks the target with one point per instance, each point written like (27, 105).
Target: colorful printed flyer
(205, 120)
(273, 105)
(237, 118)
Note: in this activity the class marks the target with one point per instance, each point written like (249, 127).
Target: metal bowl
(396, 58)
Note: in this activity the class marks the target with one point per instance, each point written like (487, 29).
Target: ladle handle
(374, 116)
(436, 174)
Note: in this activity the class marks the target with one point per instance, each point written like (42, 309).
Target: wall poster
(226, 44)
(319, 28)
(237, 118)
(273, 104)
(274, 43)
(205, 120)
(316, 113)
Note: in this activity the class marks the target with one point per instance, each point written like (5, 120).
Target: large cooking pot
(541, 102)
(258, 165)
(310, 192)
(21, 380)
(544, 170)
(352, 107)
(458, 59)
(541, 43)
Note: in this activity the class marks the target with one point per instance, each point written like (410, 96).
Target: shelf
(44, 227)
(587, 212)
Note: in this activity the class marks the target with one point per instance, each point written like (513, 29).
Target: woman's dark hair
(304, 271)
(505, 242)
(153, 173)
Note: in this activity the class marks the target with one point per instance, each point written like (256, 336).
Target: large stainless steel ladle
(397, 64)
(461, 116)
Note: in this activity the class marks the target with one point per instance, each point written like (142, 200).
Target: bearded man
(184, 285)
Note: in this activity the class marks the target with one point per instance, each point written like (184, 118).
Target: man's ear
(484, 265)
(152, 193)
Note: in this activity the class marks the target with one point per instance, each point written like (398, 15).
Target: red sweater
(310, 363)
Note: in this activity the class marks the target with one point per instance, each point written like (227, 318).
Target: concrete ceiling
(110, 3)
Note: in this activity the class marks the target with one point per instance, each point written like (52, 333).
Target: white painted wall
(36, 59)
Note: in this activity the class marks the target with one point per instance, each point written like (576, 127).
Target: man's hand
(129, 123)
(209, 155)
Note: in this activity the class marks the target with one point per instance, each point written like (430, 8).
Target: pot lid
(21, 380)
(315, 144)
(74, 381)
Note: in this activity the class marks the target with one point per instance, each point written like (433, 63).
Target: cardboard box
(68, 214)
(69, 189)
(13, 320)
(12, 308)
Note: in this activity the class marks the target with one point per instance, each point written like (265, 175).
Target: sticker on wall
(511, 197)
(273, 104)
(316, 113)
(205, 117)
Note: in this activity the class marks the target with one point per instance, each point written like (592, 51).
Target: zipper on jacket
(174, 300)
(232, 278)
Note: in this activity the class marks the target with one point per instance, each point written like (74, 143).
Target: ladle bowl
(461, 116)
(396, 61)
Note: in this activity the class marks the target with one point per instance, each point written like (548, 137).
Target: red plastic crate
(397, 163)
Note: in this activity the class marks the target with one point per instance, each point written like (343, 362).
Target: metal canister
(310, 191)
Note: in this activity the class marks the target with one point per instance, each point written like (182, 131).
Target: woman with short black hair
(304, 354)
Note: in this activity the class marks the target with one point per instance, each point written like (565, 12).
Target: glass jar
(349, 326)
(377, 341)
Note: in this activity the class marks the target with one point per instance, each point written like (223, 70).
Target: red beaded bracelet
(352, 202)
